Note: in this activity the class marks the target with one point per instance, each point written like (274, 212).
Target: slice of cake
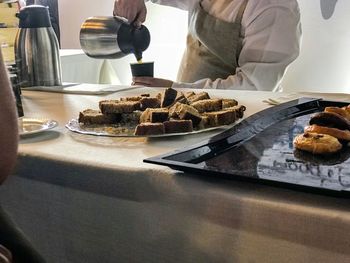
(172, 110)
(180, 97)
(132, 118)
(154, 115)
(135, 98)
(116, 106)
(149, 102)
(189, 94)
(204, 123)
(226, 103)
(207, 105)
(187, 112)
(168, 97)
(239, 110)
(90, 116)
(199, 96)
(149, 128)
(177, 126)
(218, 118)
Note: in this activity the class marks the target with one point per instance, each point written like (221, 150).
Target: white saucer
(32, 125)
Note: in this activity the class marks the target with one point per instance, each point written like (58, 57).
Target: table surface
(98, 190)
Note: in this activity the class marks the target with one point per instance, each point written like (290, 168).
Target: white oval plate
(106, 130)
(31, 125)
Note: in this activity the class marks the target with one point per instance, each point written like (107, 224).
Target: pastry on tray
(337, 133)
(340, 111)
(327, 132)
(167, 112)
(317, 143)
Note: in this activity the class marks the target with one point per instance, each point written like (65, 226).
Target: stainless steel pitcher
(37, 49)
(112, 37)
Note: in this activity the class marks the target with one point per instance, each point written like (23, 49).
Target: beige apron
(213, 46)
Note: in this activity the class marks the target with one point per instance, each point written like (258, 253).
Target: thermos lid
(133, 40)
(34, 16)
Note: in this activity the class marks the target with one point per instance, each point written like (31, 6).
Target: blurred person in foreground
(231, 44)
(13, 243)
(9, 124)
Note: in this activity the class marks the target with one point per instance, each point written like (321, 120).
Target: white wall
(324, 62)
(74, 12)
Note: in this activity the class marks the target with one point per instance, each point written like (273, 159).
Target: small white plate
(32, 125)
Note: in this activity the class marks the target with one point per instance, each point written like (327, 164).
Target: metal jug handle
(123, 19)
(126, 21)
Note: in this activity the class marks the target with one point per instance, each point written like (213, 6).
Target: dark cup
(142, 69)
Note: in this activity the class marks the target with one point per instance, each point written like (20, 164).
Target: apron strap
(241, 12)
(238, 20)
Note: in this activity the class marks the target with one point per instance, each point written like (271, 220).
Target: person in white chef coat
(231, 44)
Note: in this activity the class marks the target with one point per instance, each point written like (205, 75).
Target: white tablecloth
(86, 199)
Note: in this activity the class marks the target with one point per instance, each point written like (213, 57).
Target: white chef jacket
(271, 31)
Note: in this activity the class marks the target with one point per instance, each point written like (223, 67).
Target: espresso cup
(145, 69)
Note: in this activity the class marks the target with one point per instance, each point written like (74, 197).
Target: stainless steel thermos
(112, 37)
(37, 49)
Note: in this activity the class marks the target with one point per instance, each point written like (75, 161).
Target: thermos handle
(123, 19)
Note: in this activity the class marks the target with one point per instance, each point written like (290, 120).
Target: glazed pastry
(317, 143)
(329, 119)
(341, 111)
(337, 133)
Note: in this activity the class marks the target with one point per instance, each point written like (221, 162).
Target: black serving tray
(260, 149)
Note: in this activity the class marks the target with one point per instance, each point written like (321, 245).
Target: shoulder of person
(265, 4)
(256, 8)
